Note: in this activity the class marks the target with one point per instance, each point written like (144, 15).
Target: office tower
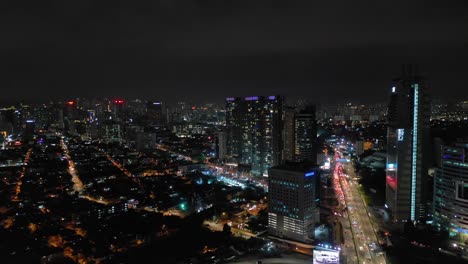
(154, 112)
(28, 131)
(112, 131)
(451, 192)
(42, 116)
(254, 128)
(136, 107)
(118, 109)
(220, 139)
(57, 115)
(293, 209)
(407, 147)
(288, 134)
(305, 135)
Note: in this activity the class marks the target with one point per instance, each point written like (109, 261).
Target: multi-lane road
(360, 222)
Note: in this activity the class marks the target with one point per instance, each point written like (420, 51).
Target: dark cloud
(326, 50)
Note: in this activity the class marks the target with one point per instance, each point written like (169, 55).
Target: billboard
(326, 256)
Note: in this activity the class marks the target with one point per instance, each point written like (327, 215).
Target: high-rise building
(28, 131)
(220, 140)
(305, 135)
(154, 111)
(293, 205)
(112, 132)
(118, 106)
(407, 147)
(288, 134)
(254, 127)
(451, 192)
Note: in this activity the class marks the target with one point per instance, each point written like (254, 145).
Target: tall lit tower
(293, 205)
(407, 147)
(305, 135)
(288, 134)
(117, 109)
(254, 129)
(154, 111)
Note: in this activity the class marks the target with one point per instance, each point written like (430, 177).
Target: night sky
(204, 50)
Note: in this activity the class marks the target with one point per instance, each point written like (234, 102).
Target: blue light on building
(415, 151)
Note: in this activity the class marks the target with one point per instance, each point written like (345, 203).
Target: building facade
(293, 206)
(451, 192)
(305, 135)
(288, 134)
(253, 128)
(221, 140)
(155, 114)
(407, 148)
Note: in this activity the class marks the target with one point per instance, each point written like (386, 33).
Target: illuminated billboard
(326, 256)
(401, 134)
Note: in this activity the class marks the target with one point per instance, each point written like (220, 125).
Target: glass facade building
(451, 192)
(305, 135)
(293, 206)
(407, 148)
(253, 130)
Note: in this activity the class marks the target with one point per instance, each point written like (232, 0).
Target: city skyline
(211, 131)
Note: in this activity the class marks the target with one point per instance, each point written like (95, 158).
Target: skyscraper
(293, 208)
(305, 134)
(154, 111)
(288, 134)
(220, 140)
(451, 192)
(118, 106)
(407, 147)
(253, 127)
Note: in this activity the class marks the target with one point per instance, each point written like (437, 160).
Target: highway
(364, 236)
(368, 222)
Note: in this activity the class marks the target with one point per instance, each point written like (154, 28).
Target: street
(363, 235)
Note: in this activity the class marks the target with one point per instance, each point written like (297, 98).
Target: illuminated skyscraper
(407, 147)
(154, 110)
(288, 134)
(305, 135)
(254, 127)
(451, 192)
(118, 106)
(293, 205)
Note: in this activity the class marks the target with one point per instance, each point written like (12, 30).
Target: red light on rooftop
(194, 107)
(118, 101)
(70, 103)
